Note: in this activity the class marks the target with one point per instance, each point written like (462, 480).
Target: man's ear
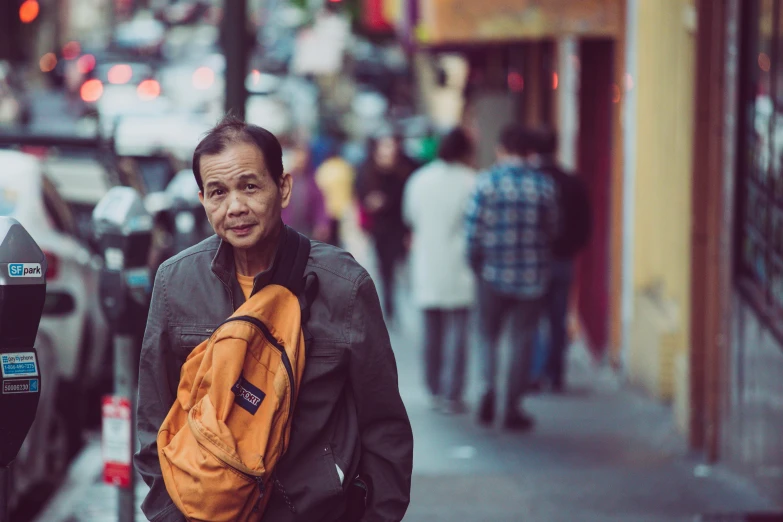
(286, 184)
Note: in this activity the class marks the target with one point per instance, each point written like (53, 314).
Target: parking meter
(22, 296)
(190, 222)
(123, 230)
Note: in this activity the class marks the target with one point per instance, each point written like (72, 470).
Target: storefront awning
(446, 22)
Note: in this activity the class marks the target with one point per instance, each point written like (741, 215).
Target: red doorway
(594, 162)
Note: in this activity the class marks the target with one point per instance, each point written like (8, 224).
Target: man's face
(386, 152)
(242, 200)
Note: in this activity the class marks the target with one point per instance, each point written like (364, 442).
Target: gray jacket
(349, 412)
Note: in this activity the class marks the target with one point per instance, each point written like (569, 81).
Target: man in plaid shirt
(511, 224)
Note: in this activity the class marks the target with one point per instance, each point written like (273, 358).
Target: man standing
(574, 234)
(349, 417)
(511, 224)
(434, 204)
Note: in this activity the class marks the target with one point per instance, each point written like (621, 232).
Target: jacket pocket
(325, 352)
(191, 336)
(329, 469)
(311, 482)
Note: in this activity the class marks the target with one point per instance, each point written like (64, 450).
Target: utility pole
(236, 43)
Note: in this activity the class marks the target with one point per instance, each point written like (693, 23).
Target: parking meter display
(22, 364)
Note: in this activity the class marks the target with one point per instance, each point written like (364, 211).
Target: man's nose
(237, 205)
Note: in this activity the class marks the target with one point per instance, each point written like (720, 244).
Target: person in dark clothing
(380, 188)
(573, 202)
(511, 224)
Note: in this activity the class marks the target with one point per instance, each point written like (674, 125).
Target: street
(599, 453)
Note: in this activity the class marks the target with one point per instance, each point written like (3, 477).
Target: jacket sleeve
(474, 227)
(158, 378)
(385, 431)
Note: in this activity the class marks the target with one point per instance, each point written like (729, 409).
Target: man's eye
(218, 192)
(251, 186)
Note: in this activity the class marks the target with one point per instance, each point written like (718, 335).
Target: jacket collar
(223, 267)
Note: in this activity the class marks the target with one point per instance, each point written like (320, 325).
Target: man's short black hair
(455, 146)
(546, 141)
(517, 139)
(233, 130)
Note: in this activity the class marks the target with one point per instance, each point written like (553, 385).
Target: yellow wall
(664, 127)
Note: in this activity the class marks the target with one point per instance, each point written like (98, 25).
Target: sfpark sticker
(22, 364)
(24, 270)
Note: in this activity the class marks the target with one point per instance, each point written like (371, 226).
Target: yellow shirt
(335, 179)
(246, 282)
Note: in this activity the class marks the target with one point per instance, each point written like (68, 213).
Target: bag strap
(291, 264)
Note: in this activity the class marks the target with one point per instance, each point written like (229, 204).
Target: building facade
(557, 63)
(704, 137)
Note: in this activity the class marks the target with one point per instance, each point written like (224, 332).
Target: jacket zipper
(284, 356)
(230, 462)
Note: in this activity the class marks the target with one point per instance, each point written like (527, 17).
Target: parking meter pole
(236, 43)
(5, 493)
(124, 386)
(124, 230)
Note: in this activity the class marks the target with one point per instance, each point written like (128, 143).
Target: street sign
(116, 441)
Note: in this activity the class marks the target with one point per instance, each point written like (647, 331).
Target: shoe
(453, 407)
(487, 409)
(518, 421)
(436, 403)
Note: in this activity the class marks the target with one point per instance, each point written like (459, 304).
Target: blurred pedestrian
(434, 205)
(574, 234)
(243, 188)
(306, 212)
(336, 177)
(380, 186)
(511, 225)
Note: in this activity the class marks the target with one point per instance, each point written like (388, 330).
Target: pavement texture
(599, 453)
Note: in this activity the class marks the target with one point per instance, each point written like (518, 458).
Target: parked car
(72, 321)
(15, 106)
(81, 180)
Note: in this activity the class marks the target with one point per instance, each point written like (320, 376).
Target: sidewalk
(599, 453)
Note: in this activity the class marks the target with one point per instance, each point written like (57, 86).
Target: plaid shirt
(511, 223)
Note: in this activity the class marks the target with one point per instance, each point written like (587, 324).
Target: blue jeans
(445, 348)
(524, 314)
(556, 311)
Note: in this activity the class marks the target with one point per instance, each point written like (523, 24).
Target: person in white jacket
(434, 205)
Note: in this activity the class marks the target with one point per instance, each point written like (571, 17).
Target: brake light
(120, 74)
(52, 266)
(38, 152)
(86, 63)
(71, 50)
(148, 90)
(203, 78)
(92, 90)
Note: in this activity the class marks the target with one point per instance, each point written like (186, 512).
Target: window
(57, 209)
(760, 180)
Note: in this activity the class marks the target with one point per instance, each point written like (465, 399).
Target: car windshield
(155, 173)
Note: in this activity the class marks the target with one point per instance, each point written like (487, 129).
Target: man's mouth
(241, 228)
